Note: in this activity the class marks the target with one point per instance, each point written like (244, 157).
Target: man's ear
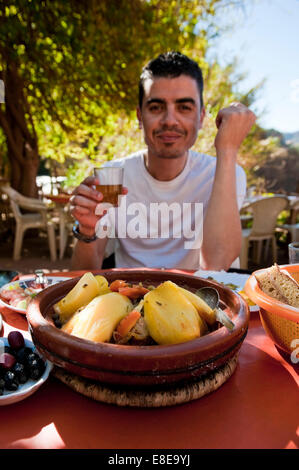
(202, 116)
(139, 117)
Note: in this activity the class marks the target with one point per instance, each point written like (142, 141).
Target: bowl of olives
(22, 369)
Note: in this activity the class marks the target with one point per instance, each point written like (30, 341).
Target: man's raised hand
(233, 123)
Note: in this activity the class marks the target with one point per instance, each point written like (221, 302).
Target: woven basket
(281, 330)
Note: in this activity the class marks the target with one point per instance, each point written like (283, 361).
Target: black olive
(37, 368)
(11, 382)
(22, 354)
(32, 357)
(35, 373)
(20, 371)
(2, 383)
(9, 350)
(28, 360)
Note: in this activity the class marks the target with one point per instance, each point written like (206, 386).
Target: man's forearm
(222, 233)
(88, 255)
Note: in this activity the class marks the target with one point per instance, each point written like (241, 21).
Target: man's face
(170, 115)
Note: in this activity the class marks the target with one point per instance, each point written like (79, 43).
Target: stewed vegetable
(125, 313)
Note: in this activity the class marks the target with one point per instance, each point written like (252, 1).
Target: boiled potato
(83, 292)
(204, 310)
(103, 284)
(170, 317)
(97, 320)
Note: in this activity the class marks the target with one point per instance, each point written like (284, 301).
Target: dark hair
(171, 64)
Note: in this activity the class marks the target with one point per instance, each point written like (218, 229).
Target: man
(171, 112)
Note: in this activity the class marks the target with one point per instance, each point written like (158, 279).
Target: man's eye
(155, 108)
(185, 107)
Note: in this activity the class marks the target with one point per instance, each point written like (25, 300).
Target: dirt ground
(35, 254)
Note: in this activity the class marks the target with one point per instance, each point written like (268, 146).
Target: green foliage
(80, 65)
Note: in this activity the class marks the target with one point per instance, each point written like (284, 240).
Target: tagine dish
(137, 327)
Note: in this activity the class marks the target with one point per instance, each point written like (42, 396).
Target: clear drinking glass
(294, 253)
(111, 182)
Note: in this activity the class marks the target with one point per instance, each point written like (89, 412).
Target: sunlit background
(264, 38)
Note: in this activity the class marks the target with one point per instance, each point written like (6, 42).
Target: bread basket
(280, 321)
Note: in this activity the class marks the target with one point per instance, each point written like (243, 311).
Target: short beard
(169, 157)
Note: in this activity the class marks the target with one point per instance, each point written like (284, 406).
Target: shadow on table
(288, 358)
(252, 410)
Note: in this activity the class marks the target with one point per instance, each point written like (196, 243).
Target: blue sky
(265, 39)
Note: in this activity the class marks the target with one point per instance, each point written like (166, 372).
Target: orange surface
(256, 408)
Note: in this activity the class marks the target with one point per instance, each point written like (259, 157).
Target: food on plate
(16, 340)
(132, 329)
(125, 313)
(170, 316)
(206, 312)
(18, 364)
(279, 284)
(234, 287)
(243, 294)
(18, 296)
(7, 361)
(88, 287)
(230, 285)
(115, 285)
(97, 320)
(134, 292)
(127, 323)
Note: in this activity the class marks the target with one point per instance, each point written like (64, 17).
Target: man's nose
(169, 116)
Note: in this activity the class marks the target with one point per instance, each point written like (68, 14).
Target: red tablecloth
(256, 408)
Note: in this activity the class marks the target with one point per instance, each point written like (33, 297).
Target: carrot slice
(133, 292)
(127, 323)
(115, 285)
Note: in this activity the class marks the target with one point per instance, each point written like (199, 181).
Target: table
(256, 408)
(61, 202)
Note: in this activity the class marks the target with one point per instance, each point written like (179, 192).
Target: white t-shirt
(158, 221)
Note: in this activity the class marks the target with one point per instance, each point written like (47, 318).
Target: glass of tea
(294, 253)
(111, 182)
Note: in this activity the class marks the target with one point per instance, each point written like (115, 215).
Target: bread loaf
(279, 284)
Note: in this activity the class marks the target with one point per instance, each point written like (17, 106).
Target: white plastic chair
(65, 231)
(292, 227)
(37, 218)
(265, 212)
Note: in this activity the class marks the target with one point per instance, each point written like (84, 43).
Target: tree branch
(21, 122)
(10, 139)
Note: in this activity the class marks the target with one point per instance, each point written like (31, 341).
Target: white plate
(28, 388)
(26, 283)
(235, 281)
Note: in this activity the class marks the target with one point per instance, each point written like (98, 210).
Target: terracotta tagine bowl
(138, 365)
